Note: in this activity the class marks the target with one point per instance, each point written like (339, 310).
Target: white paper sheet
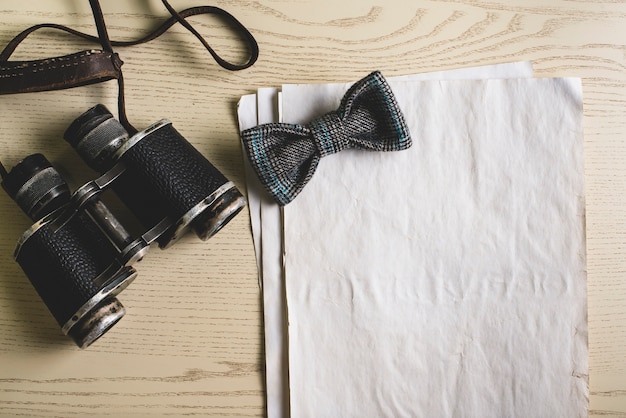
(447, 279)
(266, 217)
(266, 223)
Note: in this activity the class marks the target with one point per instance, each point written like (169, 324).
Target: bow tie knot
(329, 135)
(285, 156)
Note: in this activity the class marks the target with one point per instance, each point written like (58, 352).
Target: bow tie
(285, 156)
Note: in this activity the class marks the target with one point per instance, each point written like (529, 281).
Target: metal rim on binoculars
(133, 140)
(97, 186)
(124, 277)
(60, 217)
(181, 226)
(137, 249)
(31, 231)
(97, 322)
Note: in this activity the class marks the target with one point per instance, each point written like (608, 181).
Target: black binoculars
(77, 255)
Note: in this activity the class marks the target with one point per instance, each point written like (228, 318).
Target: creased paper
(447, 279)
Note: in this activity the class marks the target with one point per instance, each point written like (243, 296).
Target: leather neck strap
(94, 66)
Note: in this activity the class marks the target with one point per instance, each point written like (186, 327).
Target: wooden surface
(191, 341)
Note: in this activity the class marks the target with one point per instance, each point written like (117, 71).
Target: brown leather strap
(74, 70)
(94, 66)
(247, 37)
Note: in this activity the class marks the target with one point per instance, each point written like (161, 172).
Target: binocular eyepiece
(77, 255)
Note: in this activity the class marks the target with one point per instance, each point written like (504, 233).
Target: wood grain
(191, 342)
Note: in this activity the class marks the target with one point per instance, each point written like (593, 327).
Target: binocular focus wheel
(96, 135)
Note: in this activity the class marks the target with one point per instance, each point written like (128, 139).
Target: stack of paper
(444, 280)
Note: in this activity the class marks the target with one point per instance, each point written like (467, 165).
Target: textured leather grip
(62, 264)
(165, 176)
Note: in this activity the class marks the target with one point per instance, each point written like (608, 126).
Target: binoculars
(77, 255)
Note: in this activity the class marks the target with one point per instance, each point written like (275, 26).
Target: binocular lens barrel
(73, 267)
(67, 258)
(96, 135)
(165, 176)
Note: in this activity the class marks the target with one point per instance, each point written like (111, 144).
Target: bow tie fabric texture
(285, 156)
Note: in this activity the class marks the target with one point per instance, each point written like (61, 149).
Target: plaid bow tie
(285, 156)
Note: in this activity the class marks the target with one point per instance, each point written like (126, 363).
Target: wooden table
(191, 342)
